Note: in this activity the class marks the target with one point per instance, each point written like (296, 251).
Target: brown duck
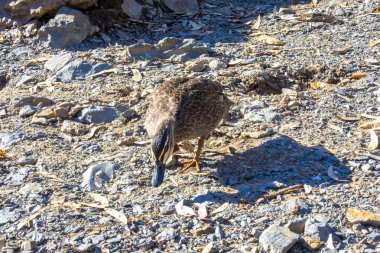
(183, 109)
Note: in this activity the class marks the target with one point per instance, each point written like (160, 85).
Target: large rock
(96, 175)
(68, 28)
(16, 12)
(182, 6)
(79, 70)
(277, 239)
(132, 8)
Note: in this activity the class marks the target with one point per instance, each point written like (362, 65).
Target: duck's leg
(195, 160)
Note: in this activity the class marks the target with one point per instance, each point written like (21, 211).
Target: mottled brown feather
(195, 105)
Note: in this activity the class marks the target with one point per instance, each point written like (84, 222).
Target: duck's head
(162, 149)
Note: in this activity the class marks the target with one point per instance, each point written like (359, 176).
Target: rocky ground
(294, 168)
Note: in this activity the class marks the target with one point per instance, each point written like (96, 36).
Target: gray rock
(9, 139)
(317, 228)
(101, 172)
(217, 64)
(27, 111)
(168, 48)
(27, 161)
(166, 235)
(189, 7)
(91, 148)
(97, 115)
(295, 204)
(297, 225)
(21, 51)
(132, 8)
(27, 79)
(266, 115)
(69, 27)
(5, 215)
(80, 69)
(56, 62)
(277, 239)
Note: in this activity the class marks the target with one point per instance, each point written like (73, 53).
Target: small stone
(182, 6)
(42, 101)
(5, 216)
(317, 228)
(27, 111)
(297, 226)
(25, 101)
(91, 148)
(278, 239)
(132, 8)
(166, 235)
(47, 113)
(356, 216)
(311, 243)
(97, 115)
(207, 229)
(56, 62)
(196, 66)
(73, 128)
(28, 245)
(61, 113)
(9, 139)
(27, 161)
(217, 64)
(294, 206)
(97, 174)
(80, 70)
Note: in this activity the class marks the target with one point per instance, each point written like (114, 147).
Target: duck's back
(196, 105)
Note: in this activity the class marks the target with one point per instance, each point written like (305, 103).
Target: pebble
(97, 115)
(217, 64)
(73, 128)
(297, 225)
(295, 206)
(27, 111)
(97, 174)
(10, 139)
(278, 239)
(166, 235)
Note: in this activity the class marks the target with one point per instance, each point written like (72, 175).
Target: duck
(183, 109)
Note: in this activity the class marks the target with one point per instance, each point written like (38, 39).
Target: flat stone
(356, 216)
(97, 115)
(217, 64)
(56, 62)
(61, 113)
(27, 111)
(297, 225)
(97, 174)
(166, 235)
(69, 27)
(9, 139)
(278, 239)
(47, 113)
(182, 6)
(132, 8)
(42, 101)
(27, 79)
(5, 216)
(73, 128)
(295, 206)
(80, 70)
(168, 48)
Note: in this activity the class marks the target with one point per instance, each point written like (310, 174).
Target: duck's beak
(158, 174)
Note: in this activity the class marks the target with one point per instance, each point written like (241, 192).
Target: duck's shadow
(277, 163)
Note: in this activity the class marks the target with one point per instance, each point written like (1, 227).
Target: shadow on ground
(217, 22)
(282, 160)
